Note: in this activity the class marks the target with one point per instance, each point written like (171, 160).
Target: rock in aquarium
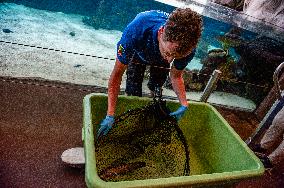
(7, 31)
(72, 33)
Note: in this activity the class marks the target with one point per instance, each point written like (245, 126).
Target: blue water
(115, 15)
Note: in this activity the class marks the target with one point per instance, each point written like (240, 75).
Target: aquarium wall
(75, 42)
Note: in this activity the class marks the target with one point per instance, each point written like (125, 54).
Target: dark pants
(135, 74)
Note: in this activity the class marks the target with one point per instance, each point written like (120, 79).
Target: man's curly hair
(183, 26)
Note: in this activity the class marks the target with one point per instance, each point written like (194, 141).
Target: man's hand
(179, 113)
(106, 125)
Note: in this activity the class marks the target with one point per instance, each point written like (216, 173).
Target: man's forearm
(114, 86)
(113, 91)
(178, 86)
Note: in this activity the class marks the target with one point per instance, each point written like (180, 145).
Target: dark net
(143, 143)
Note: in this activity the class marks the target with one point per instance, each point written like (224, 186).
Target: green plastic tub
(218, 156)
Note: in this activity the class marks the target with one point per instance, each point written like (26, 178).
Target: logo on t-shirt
(120, 50)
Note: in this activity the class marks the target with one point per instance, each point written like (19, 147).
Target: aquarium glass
(74, 41)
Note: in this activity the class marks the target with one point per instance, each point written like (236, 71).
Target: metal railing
(275, 108)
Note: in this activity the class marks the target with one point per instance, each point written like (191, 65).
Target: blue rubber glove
(179, 113)
(106, 125)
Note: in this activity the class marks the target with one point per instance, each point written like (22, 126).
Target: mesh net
(143, 143)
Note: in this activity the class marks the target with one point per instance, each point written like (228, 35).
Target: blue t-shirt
(139, 41)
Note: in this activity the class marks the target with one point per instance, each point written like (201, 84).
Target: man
(157, 39)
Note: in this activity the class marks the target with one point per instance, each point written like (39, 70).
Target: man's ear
(161, 29)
